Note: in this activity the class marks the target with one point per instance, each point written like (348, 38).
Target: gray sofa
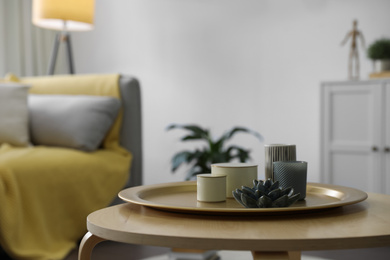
(81, 191)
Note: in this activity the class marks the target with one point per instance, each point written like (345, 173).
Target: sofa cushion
(95, 85)
(14, 114)
(73, 121)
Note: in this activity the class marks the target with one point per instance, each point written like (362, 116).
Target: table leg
(87, 244)
(295, 255)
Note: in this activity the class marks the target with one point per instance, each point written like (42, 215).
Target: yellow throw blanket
(46, 193)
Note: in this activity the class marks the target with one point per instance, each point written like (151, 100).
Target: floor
(120, 251)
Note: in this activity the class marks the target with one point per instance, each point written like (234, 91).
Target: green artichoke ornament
(265, 194)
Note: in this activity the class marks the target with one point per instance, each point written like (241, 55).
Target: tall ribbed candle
(277, 152)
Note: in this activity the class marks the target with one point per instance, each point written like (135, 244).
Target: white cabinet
(355, 134)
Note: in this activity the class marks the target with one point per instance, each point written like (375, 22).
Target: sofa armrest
(131, 129)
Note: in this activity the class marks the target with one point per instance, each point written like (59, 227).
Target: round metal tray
(181, 197)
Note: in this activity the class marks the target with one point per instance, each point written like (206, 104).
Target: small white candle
(211, 188)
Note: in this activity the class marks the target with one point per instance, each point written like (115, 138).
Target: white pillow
(14, 114)
(73, 121)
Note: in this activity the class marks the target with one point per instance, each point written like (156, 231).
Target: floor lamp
(63, 16)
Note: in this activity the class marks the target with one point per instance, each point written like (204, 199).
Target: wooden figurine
(354, 54)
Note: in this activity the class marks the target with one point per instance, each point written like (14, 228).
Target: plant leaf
(180, 158)
(196, 132)
(239, 153)
(213, 152)
(228, 135)
(193, 172)
(246, 130)
(221, 157)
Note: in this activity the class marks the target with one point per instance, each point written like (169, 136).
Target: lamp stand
(65, 38)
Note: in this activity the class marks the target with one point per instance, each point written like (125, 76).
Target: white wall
(223, 63)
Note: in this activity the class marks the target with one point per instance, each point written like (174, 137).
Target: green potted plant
(213, 150)
(380, 51)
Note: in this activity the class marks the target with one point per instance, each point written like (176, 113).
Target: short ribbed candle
(292, 174)
(277, 152)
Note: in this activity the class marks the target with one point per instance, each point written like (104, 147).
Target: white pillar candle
(237, 175)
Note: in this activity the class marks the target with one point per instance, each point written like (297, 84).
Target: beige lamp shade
(69, 15)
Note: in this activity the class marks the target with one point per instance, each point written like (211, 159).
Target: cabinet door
(352, 135)
(386, 120)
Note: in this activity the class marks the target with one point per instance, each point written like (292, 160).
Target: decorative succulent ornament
(265, 194)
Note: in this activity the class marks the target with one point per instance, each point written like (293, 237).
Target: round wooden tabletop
(362, 225)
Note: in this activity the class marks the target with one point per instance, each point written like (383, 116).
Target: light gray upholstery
(79, 122)
(131, 130)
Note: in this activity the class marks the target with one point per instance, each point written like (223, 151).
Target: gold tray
(181, 197)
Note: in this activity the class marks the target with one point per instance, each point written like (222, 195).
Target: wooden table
(362, 225)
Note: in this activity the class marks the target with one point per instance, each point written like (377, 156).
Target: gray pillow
(73, 121)
(14, 114)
